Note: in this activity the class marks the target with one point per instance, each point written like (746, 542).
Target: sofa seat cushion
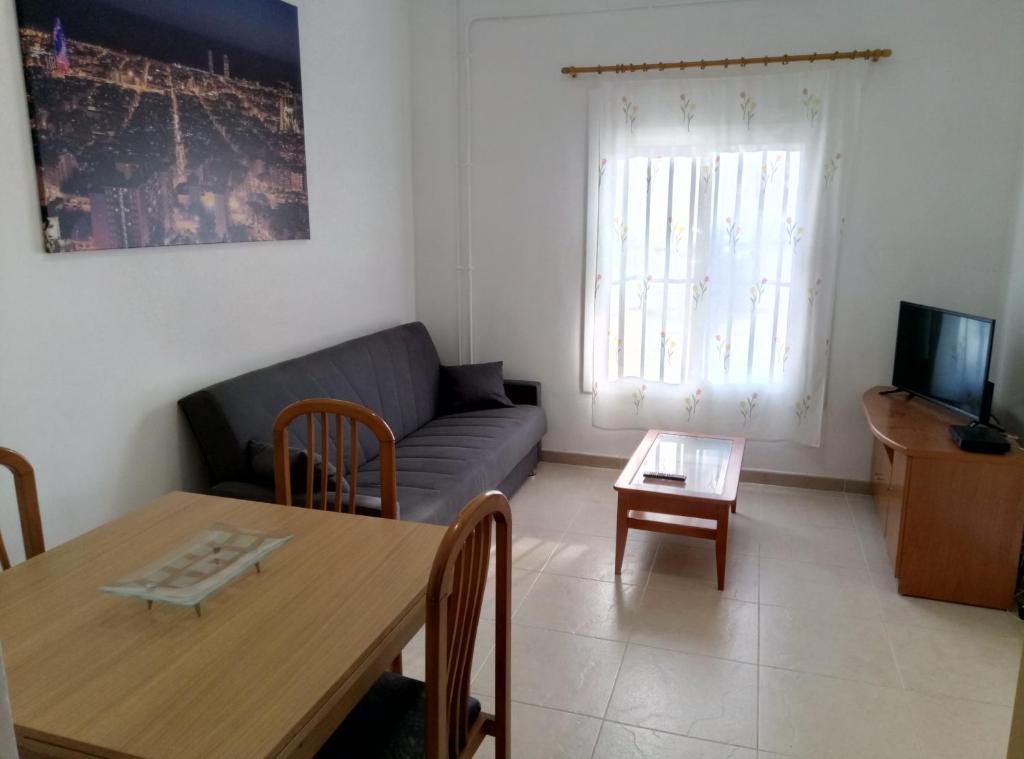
(450, 460)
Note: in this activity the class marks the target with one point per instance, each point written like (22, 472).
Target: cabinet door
(894, 508)
(881, 472)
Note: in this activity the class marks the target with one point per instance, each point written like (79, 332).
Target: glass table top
(703, 460)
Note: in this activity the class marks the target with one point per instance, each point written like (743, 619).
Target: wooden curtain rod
(628, 68)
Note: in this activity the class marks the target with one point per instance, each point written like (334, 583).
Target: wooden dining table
(272, 666)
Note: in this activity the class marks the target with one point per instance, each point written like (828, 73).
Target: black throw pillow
(472, 387)
(261, 464)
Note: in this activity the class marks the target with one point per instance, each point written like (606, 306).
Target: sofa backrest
(393, 372)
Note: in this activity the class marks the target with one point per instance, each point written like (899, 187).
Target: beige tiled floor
(808, 653)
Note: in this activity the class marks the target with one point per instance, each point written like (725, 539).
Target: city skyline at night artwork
(165, 122)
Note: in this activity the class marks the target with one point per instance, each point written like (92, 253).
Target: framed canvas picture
(165, 122)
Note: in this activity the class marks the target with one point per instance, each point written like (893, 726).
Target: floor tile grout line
(885, 627)
(616, 583)
(600, 732)
(759, 665)
(952, 629)
(617, 722)
(559, 709)
(822, 612)
(859, 514)
(680, 735)
(615, 682)
(757, 693)
(893, 688)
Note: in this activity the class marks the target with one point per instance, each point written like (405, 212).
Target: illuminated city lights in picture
(167, 122)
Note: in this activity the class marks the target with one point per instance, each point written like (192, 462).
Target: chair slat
(461, 634)
(325, 457)
(5, 562)
(478, 565)
(310, 449)
(342, 411)
(353, 469)
(467, 619)
(454, 601)
(28, 506)
(339, 459)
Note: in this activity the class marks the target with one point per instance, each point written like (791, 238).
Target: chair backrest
(325, 443)
(28, 506)
(454, 598)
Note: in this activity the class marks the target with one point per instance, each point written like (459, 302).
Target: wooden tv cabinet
(952, 520)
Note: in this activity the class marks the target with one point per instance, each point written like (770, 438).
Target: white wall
(929, 220)
(96, 348)
(1009, 370)
(436, 170)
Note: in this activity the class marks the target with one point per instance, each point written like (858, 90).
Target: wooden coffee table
(697, 508)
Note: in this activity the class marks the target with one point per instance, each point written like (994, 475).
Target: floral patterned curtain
(715, 219)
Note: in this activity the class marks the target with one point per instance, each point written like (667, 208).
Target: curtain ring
(785, 60)
(701, 64)
(743, 63)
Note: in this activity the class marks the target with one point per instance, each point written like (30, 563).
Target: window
(674, 211)
(714, 220)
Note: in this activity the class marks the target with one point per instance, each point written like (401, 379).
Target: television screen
(944, 356)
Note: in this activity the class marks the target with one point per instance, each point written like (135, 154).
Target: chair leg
(396, 665)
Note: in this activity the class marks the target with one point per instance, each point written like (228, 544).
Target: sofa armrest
(523, 392)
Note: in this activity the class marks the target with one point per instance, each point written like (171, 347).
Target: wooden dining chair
(325, 424)
(28, 506)
(438, 719)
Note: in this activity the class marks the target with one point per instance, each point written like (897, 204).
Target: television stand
(952, 520)
(894, 390)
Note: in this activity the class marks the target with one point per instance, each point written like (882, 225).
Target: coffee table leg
(620, 536)
(721, 542)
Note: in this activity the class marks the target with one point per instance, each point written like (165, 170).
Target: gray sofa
(443, 461)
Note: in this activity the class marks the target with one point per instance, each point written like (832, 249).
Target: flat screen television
(944, 356)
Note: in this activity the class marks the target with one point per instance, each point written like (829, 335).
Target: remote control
(665, 476)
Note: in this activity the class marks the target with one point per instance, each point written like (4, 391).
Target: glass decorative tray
(199, 568)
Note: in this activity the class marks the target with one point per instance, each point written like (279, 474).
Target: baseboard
(806, 481)
(758, 476)
(583, 459)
